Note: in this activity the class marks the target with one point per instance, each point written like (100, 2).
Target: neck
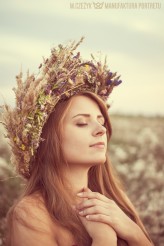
(78, 179)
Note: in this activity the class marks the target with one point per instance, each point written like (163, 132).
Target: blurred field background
(133, 40)
(137, 153)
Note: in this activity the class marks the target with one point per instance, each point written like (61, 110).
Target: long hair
(48, 176)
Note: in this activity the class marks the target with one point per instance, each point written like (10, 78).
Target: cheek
(75, 135)
(74, 142)
(72, 150)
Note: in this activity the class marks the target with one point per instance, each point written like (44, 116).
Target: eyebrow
(87, 115)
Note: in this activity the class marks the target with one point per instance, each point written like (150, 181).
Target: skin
(83, 127)
(102, 218)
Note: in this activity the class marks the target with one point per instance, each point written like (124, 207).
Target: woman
(59, 135)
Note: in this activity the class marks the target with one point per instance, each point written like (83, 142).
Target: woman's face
(84, 139)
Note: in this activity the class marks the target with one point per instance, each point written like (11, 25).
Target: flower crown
(60, 77)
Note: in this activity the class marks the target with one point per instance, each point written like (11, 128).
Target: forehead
(83, 105)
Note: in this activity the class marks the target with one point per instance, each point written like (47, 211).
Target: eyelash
(83, 124)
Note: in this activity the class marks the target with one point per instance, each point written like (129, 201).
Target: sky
(131, 35)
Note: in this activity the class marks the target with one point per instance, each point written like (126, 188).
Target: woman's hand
(101, 233)
(98, 208)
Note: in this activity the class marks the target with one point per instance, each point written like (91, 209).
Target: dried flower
(60, 77)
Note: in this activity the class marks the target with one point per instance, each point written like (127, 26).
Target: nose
(99, 130)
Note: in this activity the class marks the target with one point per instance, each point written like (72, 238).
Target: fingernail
(80, 194)
(81, 212)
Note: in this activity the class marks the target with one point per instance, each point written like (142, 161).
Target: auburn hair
(48, 176)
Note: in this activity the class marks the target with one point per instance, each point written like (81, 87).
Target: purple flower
(48, 90)
(73, 77)
(117, 82)
(109, 82)
(110, 74)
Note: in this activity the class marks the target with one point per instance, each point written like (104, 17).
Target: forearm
(144, 242)
(105, 241)
(141, 243)
(139, 239)
(100, 243)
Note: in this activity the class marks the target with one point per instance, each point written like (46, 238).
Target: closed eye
(81, 124)
(84, 124)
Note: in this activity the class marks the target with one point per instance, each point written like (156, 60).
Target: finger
(100, 218)
(86, 189)
(90, 203)
(91, 195)
(94, 210)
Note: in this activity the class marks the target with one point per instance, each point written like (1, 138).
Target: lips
(101, 144)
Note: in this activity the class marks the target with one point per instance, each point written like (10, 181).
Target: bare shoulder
(33, 224)
(30, 211)
(30, 204)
